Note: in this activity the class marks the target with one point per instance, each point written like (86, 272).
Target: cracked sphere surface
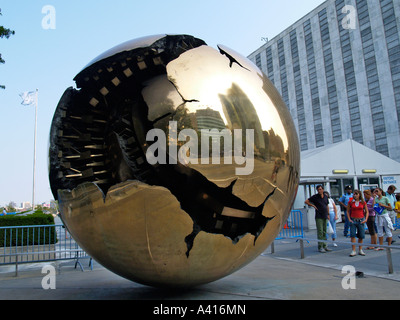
(174, 163)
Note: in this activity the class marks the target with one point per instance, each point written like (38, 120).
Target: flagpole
(34, 152)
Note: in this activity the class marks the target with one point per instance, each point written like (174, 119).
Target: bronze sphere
(174, 164)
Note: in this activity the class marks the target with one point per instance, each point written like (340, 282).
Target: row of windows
(258, 60)
(312, 74)
(282, 67)
(372, 78)
(351, 86)
(330, 77)
(298, 90)
(270, 64)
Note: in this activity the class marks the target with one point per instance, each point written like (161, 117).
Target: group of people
(375, 208)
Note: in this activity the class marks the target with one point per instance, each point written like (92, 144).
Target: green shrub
(27, 236)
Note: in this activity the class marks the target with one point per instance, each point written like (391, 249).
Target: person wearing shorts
(383, 221)
(357, 213)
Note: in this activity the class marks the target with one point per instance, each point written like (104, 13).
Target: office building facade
(338, 70)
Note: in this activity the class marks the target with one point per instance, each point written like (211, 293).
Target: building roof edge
(286, 30)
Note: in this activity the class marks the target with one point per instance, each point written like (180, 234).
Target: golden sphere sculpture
(174, 164)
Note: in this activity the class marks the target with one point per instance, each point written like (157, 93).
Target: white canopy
(346, 155)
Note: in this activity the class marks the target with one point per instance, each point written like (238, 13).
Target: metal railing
(293, 227)
(347, 243)
(39, 243)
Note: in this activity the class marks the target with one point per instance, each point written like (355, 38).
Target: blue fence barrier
(293, 227)
(397, 223)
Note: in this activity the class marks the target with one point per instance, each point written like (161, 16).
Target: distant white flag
(28, 98)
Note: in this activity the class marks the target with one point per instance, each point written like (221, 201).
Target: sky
(50, 47)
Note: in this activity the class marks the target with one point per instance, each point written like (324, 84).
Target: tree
(11, 207)
(4, 33)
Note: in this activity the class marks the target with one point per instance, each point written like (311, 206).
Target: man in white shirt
(392, 198)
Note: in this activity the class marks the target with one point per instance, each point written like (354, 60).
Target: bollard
(301, 249)
(273, 247)
(389, 260)
(301, 240)
(16, 265)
